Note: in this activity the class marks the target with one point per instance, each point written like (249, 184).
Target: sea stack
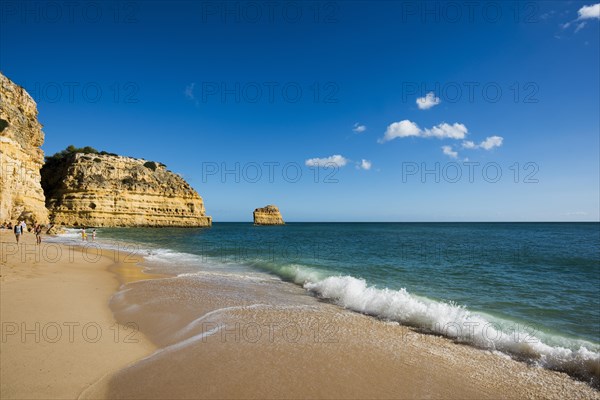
(101, 189)
(268, 215)
(20, 156)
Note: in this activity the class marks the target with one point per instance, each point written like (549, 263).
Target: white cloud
(404, 128)
(449, 152)
(585, 13)
(430, 100)
(358, 128)
(589, 12)
(446, 131)
(467, 144)
(565, 25)
(332, 161)
(365, 164)
(189, 91)
(488, 144)
(579, 26)
(408, 128)
(491, 142)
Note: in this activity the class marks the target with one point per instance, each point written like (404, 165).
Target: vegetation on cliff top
(55, 169)
(71, 150)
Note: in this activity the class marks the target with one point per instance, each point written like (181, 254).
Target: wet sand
(214, 335)
(232, 337)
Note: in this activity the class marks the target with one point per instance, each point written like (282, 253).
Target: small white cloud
(491, 142)
(447, 131)
(365, 164)
(589, 12)
(488, 144)
(358, 128)
(579, 26)
(430, 100)
(408, 128)
(404, 128)
(467, 144)
(449, 152)
(189, 91)
(332, 161)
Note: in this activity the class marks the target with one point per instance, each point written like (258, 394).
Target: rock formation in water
(268, 215)
(21, 194)
(100, 189)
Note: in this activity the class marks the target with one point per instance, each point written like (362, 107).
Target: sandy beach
(58, 334)
(213, 338)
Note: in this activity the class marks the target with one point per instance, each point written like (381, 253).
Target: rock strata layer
(268, 215)
(109, 190)
(21, 194)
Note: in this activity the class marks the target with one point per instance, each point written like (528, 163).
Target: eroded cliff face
(21, 194)
(108, 190)
(268, 215)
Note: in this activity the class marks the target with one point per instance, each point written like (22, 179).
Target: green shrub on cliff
(151, 164)
(69, 151)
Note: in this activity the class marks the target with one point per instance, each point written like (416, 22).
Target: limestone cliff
(268, 215)
(110, 190)
(21, 194)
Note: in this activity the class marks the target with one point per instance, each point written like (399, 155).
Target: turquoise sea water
(527, 289)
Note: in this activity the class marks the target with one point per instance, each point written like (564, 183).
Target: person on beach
(23, 226)
(94, 235)
(38, 234)
(83, 235)
(18, 231)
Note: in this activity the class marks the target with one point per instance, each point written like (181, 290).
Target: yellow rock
(21, 194)
(110, 190)
(268, 215)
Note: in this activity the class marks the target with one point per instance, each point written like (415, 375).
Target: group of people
(84, 235)
(20, 228)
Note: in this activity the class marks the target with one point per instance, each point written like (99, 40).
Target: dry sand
(58, 333)
(209, 337)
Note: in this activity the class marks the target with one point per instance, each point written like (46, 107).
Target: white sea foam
(458, 323)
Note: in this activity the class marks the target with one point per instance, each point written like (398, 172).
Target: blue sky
(241, 98)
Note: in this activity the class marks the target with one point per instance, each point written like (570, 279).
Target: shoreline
(200, 340)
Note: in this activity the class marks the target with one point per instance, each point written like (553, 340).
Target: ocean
(528, 290)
